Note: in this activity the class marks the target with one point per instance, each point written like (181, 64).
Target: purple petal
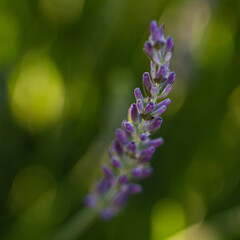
(169, 44)
(138, 94)
(143, 137)
(128, 127)
(140, 106)
(134, 113)
(123, 179)
(149, 108)
(103, 186)
(132, 147)
(147, 81)
(148, 49)
(116, 163)
(117, 147)
(165, 102)
(107, 172)
(159, 111)
(166, 91)
(154, 124)
(146, 154)
(135, 188)
(121, 137)
(147, 171)
(171, 78)
(156, 142)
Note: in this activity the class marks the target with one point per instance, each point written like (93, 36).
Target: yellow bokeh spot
(168, 218)
(215, 46)
(36, 92)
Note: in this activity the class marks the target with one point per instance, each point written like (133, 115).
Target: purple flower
(134, 146)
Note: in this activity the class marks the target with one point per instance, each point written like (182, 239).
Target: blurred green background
(67, 73)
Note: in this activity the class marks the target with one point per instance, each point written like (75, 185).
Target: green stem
(76, 226)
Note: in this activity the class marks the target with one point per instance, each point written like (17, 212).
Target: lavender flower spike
(133, 148)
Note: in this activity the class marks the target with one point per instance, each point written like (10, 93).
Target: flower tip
(153, 26)
(167, 102)
(171, 78)
(169, 44)
(135, 188)
(107, 172)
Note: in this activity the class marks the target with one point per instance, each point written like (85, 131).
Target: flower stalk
(133, 148)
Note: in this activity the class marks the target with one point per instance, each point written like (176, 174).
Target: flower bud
(153, 70)
(149, 108)
(154, 125)
(116, 163)
(121, 137)
(156, 142)
(132, 147)
(146, 155)
(123, 179)
(147, 84)
(143, 137)
(147, 80)
(134, 113)
(171, 78)
(138, 94)
(148, 49)
(140, 107)
(104, 185)
(147, 171)
(159, 111)
(128, 127)
(165, 102)
(169, 44)
(117, 147)
(157, 34)
(137, 172)
(107, 172)
(154, 89)
(166, 91)
(135, 188)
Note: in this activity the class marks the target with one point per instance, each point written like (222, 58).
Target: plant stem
(75, 227)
